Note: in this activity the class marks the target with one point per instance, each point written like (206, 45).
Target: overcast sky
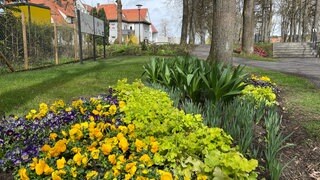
(159, 11)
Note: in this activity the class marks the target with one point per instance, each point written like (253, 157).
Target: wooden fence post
(75, 42)
(55, 44)
(25, 43)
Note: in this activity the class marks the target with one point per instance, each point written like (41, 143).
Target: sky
(159, 10)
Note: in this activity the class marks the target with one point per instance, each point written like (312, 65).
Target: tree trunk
(119, 17)
(184, 30)
(222, 31)
(248, 27)
(191, 22)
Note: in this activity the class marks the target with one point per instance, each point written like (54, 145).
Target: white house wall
(145, 31)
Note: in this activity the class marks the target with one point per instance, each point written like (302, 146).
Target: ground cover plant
(113, 136)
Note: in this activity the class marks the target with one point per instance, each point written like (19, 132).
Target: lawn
(23, 91)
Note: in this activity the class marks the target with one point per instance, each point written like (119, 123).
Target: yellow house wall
(38, 15)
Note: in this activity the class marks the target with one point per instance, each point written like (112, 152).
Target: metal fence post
(80, 37)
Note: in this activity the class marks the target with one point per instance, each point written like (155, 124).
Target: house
(132, 23)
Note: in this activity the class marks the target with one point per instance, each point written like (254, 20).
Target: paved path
(305, 67)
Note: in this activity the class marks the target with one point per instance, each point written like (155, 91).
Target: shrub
(147, 138)
(196, 79)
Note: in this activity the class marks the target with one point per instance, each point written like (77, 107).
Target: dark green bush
(196, 79)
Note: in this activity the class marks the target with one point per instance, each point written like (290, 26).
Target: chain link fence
(46, 45)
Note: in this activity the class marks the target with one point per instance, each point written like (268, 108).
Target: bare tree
(119, 17)
(184, 28)
(222, 31)
(248, 27)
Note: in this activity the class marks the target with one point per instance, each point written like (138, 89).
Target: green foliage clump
(186, 146)
(260, 94)
(122, 49)
(196, 79)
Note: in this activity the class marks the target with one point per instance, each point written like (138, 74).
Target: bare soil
(304, 157)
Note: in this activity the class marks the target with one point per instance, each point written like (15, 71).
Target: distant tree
(119, 17)
(248, 27)
(222, 31)
(185, 22)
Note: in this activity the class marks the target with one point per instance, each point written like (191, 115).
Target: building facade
(134, 21)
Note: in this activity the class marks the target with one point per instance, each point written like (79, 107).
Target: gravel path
(305, 67)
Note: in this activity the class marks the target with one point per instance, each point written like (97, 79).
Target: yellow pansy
(123, 144)
(106, 149)
(154, 146)
(55, 176)
(123, 129)
(60, 163)
(91, 175)
(131, 168)
(53, 136)
(122, 158)
(122, 104)
(45, 148)
(146, 160)
(131, 128)
(75, 133)
(23, 174)
(95, 154)
(112, 159)
(85, 160)
(76, 150)
(165, 175)
(77, 158)
(34, 163)
(113, 109)
(139, 145)
(40, 167)
(202, 177)
(74, 172)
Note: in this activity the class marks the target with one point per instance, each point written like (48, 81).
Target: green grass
(301, 98)
(254, 57)
(23, 91)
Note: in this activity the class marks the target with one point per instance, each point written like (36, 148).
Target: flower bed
(133, 133)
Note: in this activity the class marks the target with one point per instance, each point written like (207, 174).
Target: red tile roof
(110, 10)
(129, 15)
(132, 15)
